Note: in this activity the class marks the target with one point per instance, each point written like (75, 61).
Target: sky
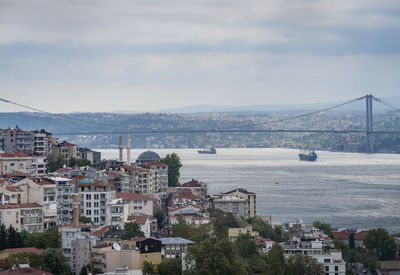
(102, 56)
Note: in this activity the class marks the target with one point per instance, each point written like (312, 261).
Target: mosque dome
(148, 156)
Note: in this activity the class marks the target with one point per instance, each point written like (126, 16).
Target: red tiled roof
(241, 190)
(139, 219)
(134, 196)
(360, 235)
(28, 270)
(341, 235)
(66, 143)
(17, 174)
(24, 250)
(16, 154)
(138, 239)
(187, 196)
(192, 183)
(19, 205)
(13, 188)
(43, 181)
(157, 163)
(100, 232)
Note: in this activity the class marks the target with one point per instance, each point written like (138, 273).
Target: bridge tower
(369, 125)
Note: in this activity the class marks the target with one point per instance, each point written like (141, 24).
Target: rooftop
(175, 240)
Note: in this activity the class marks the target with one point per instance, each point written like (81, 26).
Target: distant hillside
(275, 107)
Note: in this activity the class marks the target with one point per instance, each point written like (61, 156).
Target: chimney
(121, 148)
(128, 149)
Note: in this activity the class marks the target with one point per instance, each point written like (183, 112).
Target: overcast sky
(77, 56)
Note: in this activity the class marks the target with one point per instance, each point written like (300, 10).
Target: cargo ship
(210, 150)
(307, 155)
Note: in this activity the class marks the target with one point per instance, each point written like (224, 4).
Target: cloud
(228, 52)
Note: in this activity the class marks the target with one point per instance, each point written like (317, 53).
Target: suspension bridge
(247, 128)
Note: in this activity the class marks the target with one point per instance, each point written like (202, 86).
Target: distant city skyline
(96, 56)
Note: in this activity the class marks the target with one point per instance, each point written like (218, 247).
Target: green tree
(170, 267)
(326, 228)
(79, 162)
(33, 259)
(13, 237)
(174, 165)
(303, 264)
(159, 215)
(148, 268)
(52, 238)
(221, 222)
(191, 232)
(55, 161)
(133, 227)
(3, 237)
(381, 244)
(276, 260)
(214, 256)
(35, 239)
(245, 245)
(55, 262)
(85, 220)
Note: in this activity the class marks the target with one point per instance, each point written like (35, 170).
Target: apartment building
(35, 142)
(96, 195)
(249, 196)
(22, 161)
(12, 194)
(140, 204)
(44, 192)
(65, 189)
(23, 216)
(160, 178)
(118, 212)
(330, 258)
(67, 150)
(232, 204)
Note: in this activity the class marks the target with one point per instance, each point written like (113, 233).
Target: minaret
(121, 148)
(128, 149)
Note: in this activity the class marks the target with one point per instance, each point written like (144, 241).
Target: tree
(148, 268)
(35, 239)
(381, 244)
(14, 240)
(191, 232)
(133, 227)
(326, 228)
(55, 262)
(303, 264)
(174, 165)
(170, 267)
(276, 260)
(3, 237)
(214, 256)
(221, 222)
(159, 215)
(52, 238)
(55, 161)
(79, 162)
(245, 245)
(352, 242)
(85, 220)
(33, 259)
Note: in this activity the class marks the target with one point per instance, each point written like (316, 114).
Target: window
(88, 204)
(336, 268)
(88, 196)
(96, 204)
(88, 212)
(327, 260)
(326, 268)
(96, 196)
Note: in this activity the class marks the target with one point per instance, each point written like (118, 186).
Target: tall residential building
(44, 192)
(65, 189)
(232, 204)
(22, 161)
(36, 142)
(95, 197)
(24, 216)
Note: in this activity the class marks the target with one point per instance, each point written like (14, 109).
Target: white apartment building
(96, 195)
(140, 204)
(65, 189)
(118, 212)
(22, 161)
(331, 259)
